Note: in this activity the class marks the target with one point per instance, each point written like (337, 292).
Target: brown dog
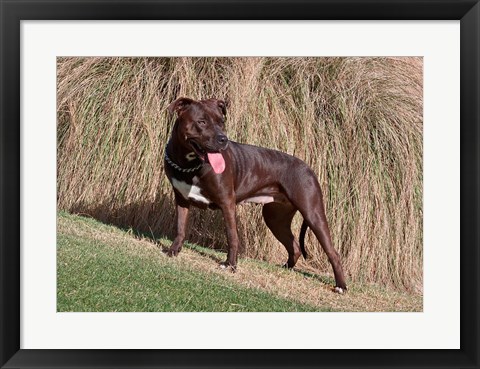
(208, 170)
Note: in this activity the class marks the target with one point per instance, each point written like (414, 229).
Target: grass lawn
(103, 268)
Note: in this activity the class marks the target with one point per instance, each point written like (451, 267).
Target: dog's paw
(226, 266)
(340, 290)
(172, 252)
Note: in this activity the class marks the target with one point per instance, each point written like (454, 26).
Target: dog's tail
(303, 231)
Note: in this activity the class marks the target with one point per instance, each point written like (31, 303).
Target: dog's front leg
(229, 215)
(181, 217)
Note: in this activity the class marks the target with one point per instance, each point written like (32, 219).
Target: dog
(207, 170)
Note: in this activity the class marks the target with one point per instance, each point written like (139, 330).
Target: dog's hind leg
(278, 218)
(309, 202)
(317, 221)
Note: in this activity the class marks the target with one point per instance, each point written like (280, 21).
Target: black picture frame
(13, 12)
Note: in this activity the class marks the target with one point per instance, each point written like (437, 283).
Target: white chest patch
(189, 191)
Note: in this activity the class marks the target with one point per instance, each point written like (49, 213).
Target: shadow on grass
(202, 251)
(327, 280)
(127, 219)
(150, 220)
(133, 217)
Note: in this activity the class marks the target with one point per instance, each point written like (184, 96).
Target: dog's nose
(222, 139)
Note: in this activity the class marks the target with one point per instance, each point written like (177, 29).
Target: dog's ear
(216, 103)
(223, 104)
(179, 105)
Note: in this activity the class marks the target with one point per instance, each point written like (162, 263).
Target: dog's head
(199, 127)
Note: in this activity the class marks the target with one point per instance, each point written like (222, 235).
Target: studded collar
(179, 168)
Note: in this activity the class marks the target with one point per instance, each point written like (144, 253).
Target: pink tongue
(217, 162)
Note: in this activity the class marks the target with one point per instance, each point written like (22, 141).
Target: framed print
(376, 103)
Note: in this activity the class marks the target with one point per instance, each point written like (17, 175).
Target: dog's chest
(190, 191)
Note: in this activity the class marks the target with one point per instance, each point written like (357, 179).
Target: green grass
(103, 268)
(93, 276)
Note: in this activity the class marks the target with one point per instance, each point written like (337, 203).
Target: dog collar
(180, 169)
